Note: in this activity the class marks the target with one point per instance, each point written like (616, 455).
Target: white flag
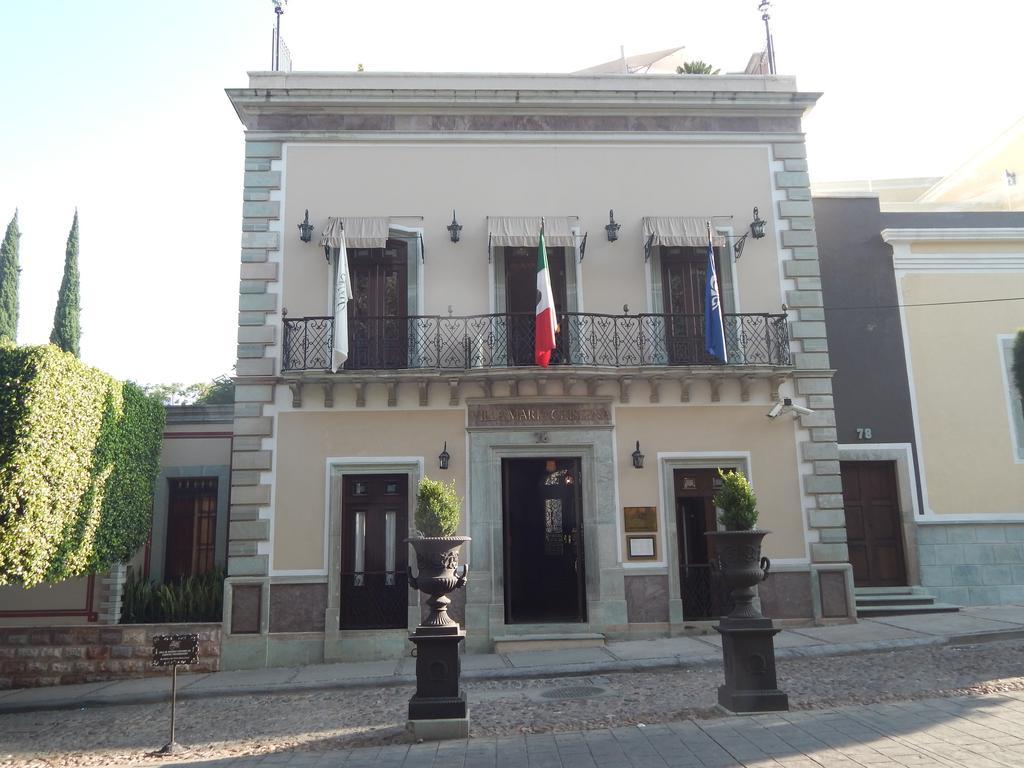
(342, 296)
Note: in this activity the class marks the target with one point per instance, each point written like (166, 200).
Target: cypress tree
(66, 328)
(10, 273)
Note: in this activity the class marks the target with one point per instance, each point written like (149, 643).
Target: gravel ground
(322, 721)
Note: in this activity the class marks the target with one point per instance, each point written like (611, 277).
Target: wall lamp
(756, 232)
(638, 458)
(454, 228)
(305, 229)
(612, 227)
(444, 457)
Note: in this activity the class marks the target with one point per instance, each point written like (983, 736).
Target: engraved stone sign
(540, 414)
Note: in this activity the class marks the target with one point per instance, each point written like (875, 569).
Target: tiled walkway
(973, 732)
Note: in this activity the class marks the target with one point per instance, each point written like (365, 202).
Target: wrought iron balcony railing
(506, 340)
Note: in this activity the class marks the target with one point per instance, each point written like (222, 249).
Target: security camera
(786, 404)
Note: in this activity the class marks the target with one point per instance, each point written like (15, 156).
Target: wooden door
(873, 530)
(377, 314)
(521, 301)
(191, 527)
(683, 276)
(702, 592)
(374, 555)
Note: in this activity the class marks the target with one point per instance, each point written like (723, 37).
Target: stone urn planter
(439, 573)
(438, 709)
(748, 648)
(742, 568)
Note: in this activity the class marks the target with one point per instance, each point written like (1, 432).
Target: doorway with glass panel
(374, 560)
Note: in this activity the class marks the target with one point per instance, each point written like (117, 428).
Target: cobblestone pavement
(528, 722)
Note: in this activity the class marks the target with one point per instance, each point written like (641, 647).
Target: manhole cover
(573, 692)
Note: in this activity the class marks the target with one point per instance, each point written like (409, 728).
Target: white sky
(118, 108)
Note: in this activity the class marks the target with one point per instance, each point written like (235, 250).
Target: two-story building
(587, 484)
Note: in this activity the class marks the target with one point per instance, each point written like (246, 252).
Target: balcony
(505, 341)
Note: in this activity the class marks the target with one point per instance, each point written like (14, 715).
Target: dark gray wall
(864, 336)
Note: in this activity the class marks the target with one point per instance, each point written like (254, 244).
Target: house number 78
(863, 433)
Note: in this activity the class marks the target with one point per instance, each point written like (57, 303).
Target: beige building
(587, 484)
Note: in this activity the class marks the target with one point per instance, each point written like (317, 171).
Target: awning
(360, 231)
(517, 231)
(678, 230)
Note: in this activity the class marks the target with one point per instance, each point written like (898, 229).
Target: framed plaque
(641, 547)
(640, 519)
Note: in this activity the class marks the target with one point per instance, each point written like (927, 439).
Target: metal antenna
(275, 63)
(763, 8)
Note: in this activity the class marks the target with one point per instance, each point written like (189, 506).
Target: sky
(118, 109)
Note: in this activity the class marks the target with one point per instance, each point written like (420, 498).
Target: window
(1013, 397)
(191, 527)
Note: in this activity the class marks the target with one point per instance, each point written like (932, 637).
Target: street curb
(519, 673)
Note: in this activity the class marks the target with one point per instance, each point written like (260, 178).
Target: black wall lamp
(305, 229)
(454, 228)
(638, 458)
(612, 227)
(444, 457)
(756, 232)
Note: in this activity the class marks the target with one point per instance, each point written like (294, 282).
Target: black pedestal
(438, 668)
(748, 653)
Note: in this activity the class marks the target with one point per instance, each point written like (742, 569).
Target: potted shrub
(739, 545)
(438, 509)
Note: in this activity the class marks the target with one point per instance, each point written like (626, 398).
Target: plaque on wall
(641, 547)
(540, 414)
(640, 519)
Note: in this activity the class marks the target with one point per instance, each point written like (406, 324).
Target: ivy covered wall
(79, 453)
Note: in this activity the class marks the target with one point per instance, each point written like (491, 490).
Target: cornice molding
(952, 234)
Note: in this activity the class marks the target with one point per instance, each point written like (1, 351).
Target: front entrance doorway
(374, 555)
(703, 595)
(543, 541)
(871, 500)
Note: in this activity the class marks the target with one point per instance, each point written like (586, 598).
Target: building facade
(573, 539)
(921, 309)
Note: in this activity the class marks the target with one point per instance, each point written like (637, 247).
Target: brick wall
(35, 656)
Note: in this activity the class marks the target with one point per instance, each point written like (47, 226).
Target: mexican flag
(546, 323)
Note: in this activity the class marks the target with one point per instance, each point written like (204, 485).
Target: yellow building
(587, 484)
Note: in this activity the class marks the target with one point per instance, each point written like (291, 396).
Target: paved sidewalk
(868, 635)
(974, 732)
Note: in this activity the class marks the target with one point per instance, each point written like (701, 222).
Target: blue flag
(714, 330)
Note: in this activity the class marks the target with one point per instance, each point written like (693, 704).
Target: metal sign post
(172, 650)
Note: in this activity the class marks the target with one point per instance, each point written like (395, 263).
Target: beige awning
(517, 231)
(360, 232)
(678, 230)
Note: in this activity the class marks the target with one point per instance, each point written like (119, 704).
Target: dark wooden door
(683, 276)
(701, 590)
(374, 555)
(521, 301)
(873, 530)
(191, 527)
(377, 323)
(543, 541)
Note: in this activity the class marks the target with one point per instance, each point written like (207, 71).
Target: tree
(696, 68)
(219, 391)
(10, 273)
(66, 326)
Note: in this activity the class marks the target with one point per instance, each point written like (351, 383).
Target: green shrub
(737, 501)
(438, 508)
(193, 598)
(1018, 362)
(79, 453)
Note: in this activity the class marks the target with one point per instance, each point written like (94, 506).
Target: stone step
(880, 611)
(858, 591)
(552, 641)
(864, 601)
